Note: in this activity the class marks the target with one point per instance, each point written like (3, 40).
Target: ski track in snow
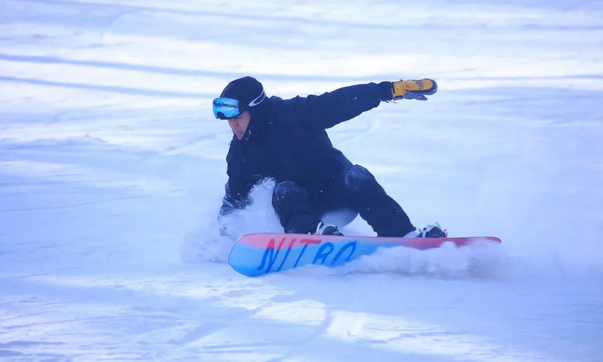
(112, 169)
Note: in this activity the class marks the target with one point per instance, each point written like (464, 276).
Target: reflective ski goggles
(226, 108)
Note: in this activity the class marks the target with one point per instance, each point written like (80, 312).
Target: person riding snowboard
(285, 140)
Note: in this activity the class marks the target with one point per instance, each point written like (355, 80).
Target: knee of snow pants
(384, 214)
(293, 205)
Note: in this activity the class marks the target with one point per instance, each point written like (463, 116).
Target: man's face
(239, 124)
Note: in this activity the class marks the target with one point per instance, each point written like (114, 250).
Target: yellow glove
(414, 89)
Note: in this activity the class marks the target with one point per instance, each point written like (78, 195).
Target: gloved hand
(414, 89)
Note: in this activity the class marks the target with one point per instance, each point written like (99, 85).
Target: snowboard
(258, 254)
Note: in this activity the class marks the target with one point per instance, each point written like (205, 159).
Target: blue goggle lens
(226, 108)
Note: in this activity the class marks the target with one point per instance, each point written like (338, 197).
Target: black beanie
(247, 90)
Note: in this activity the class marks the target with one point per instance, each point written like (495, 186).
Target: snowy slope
(112, 169)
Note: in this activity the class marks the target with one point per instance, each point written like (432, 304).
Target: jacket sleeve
(236, 195)
(332, 108)
(239, 185)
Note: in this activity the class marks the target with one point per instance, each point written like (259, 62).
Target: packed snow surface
(112, 170)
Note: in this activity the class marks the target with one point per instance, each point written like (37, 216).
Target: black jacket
(286, 140)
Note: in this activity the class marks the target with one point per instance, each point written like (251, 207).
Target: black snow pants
(300, 210)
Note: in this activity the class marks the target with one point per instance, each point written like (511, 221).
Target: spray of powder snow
(209, 244)
(206, 244)
(477, 261)
(447, 262)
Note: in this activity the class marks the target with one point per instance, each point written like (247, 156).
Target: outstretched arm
(332, 108)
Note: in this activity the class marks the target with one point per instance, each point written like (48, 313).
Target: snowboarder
(285, 140)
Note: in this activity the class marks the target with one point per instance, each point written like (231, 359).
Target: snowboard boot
(432, 231)
(327, 229)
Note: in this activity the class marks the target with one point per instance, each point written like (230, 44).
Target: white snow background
(112, 170)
